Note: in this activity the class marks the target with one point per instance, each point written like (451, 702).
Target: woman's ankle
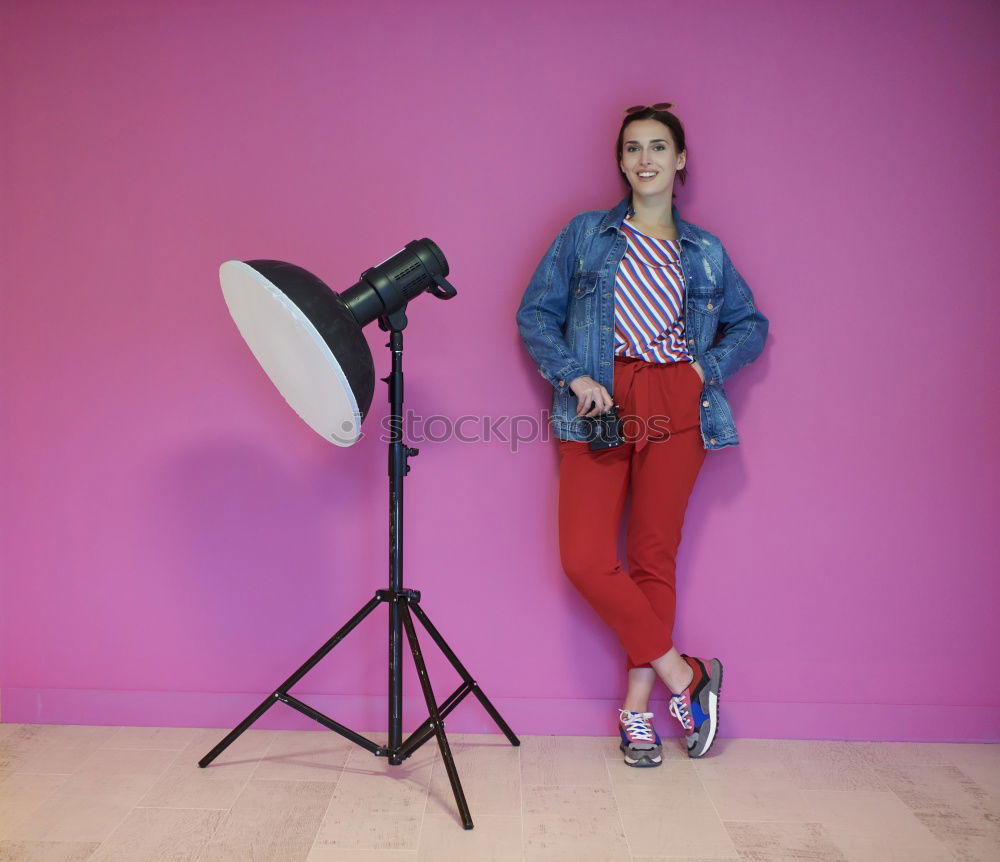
(674, 681)
(674, 670)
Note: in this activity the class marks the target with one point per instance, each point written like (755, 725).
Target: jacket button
(712, 441)
(562, 382)
(690, 341)
(704, 404)
(710, 306)
(712, 380)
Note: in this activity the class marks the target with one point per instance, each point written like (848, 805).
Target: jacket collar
(615, 217)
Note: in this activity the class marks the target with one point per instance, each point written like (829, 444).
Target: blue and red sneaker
(697, 707)
(640, 742)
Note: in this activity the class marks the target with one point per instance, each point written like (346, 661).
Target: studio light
(309, 341)
(308, 338)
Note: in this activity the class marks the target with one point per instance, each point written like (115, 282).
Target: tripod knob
(407, 454)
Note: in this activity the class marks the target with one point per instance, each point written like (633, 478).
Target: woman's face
(649, 158)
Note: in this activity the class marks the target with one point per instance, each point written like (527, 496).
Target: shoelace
(680, 711)
(637, 725)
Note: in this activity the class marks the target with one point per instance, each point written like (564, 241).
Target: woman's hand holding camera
(592, 399)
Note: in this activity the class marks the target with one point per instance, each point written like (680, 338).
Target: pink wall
(175, 540)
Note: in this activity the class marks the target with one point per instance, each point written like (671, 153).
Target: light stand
(404, 604)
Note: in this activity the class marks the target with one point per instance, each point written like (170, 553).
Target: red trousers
(660, 408)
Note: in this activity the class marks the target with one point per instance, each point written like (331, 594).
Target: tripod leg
(233, 734)
(288, 683)
(425, 684)
(476, 690)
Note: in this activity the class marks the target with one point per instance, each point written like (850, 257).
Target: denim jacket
(567, 317)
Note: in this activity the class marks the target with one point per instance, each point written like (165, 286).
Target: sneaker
(697, 707)
(640, 742)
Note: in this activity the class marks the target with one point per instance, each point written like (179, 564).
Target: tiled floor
(129, 794)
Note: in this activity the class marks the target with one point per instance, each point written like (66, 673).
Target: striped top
(649, 300)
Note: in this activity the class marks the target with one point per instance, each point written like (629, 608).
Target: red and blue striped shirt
(649, 300)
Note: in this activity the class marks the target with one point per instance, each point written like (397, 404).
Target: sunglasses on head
(659, 106)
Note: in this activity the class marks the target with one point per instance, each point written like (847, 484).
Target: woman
(637, 309)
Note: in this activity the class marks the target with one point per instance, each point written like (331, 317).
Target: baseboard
(738, 719)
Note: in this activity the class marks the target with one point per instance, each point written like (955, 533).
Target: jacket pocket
(703, 307)
(582, 299)
(705, 300)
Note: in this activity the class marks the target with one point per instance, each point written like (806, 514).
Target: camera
(605, 431)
